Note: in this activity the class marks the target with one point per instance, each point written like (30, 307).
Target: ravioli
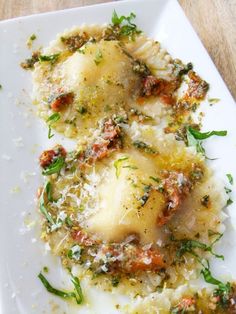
(134, 204)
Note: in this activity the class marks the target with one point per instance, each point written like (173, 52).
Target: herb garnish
(75, 252)
(55, 167)
(189, 246)
(229, 202)
(51, 58)
(98, 57)
(194, 136)
(202, 136)
(52, 119)
(128, 29)
(230, 178)
(76, 294)
(42, 206)
(223, 290)
(117, 165)
(143, 146)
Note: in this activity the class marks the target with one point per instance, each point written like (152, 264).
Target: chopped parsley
(45, 269)
(145, 147)
(55, 167)
(51, 120)
(229, 202)
(117, 165)
(76, 294)
(98, 57)
(51, 58)
(30, 40)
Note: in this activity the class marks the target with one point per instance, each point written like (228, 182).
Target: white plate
(23, 137)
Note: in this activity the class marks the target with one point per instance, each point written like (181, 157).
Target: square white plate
(23, 137)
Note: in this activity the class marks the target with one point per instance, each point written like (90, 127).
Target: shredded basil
(202, 136)
(117, 165)
(128, 28)
(188, 246)
(55, 167)
(51, 58)
(229, 202)
(194, 136)
(42, 206)
(76, 294)
(51, 120)
(48, 189)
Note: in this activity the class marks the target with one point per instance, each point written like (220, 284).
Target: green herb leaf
(116, 20)
(51, 58)
(55, 167)
(54, 118)
(42, 206)
(209, 278)
(143, 146)
(33, 37)
(77, 294)
(45, 269)
(202, 136)
(51, 120)
(48, 190)
(117, 165)
(230, 178)
(127, 29)
(188, 246)
(229, 202)
(98, 57)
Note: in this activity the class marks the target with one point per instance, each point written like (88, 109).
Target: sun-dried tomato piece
(47, 157)
(61, 101)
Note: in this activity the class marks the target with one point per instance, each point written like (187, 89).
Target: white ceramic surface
(23, 137)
